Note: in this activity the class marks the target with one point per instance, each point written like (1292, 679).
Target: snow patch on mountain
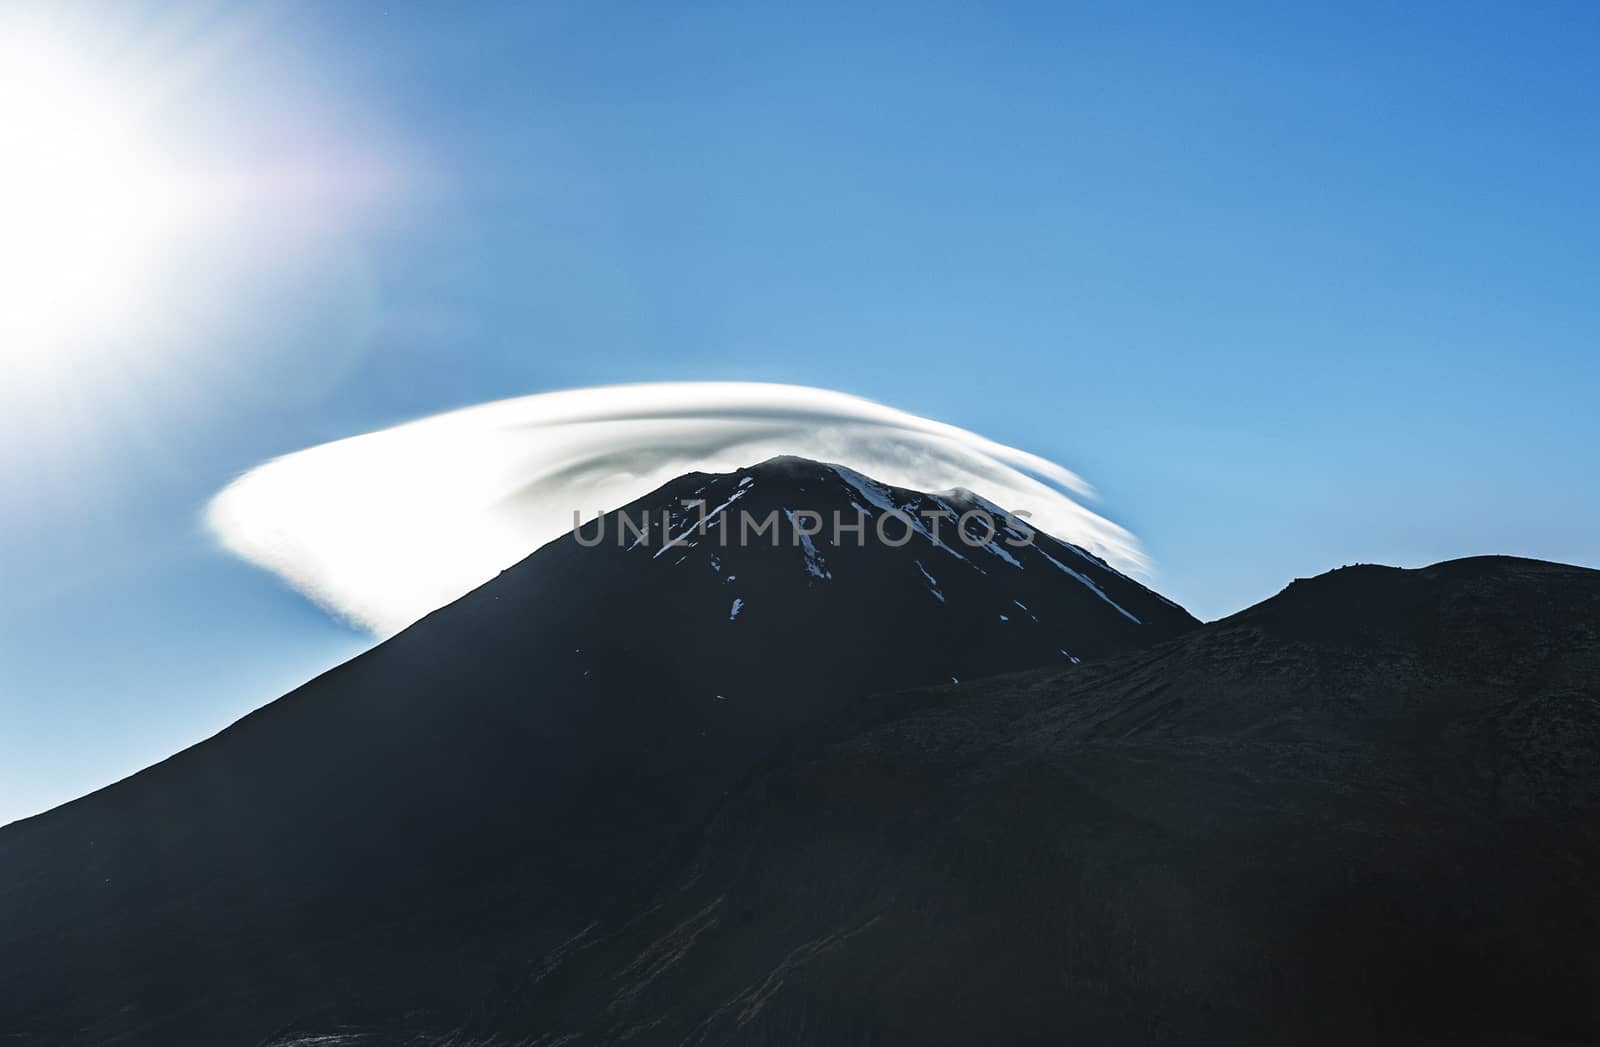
(815, 565)
(1086, 580)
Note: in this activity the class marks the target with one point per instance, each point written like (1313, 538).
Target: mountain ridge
(1237, 835)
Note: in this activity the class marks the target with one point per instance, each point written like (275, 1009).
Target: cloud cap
(383, 528)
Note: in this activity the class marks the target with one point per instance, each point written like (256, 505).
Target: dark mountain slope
(399, 836)
(1364, 811)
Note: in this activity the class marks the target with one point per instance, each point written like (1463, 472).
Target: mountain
(391, 845)
(1366, 810)
(692, 793)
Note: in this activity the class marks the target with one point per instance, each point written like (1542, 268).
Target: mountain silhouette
(666, 788)
(399, 835)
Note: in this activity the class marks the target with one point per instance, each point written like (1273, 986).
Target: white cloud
(385, 527)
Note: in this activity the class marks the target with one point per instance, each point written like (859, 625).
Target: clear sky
(1293, 285)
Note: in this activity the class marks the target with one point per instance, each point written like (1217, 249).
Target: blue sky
(1293, 285)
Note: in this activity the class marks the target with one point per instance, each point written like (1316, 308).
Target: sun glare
(84, 201)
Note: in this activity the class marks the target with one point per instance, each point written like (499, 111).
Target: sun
(85, 200)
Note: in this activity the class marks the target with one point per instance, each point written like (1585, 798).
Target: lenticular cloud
(384, 528)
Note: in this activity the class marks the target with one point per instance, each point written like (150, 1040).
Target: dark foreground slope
(387, 846)
(1367, 810)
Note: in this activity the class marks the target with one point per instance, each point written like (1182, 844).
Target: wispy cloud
(385, 527)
